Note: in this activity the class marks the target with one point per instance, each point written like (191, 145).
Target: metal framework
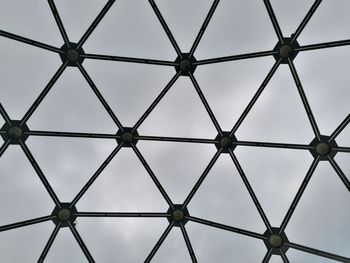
(322, 147)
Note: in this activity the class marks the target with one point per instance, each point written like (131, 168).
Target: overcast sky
(131, 28)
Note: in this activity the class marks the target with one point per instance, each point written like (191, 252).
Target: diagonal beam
(300, 192)
(201, 178)
(49, 243)
(81, 243)
(255, 97)
(4, 114)
(205, 103)
(317, 252)
(284, 256)
(159, 242)
(267, 256)
(274, 20)
(250, 191)
(44, 93)
(130, 60)
(95, 23)
(340, 128)
(331, 44)
(59, 21)
(340, 173)
(26, 223)
(152, 175)
(305, 20)
(204, 27)
(165, 27)
(4, 146)
(188, 243)
(29, 41)
(40, 173)
(304, 99)
(95, 175)
(99, 96)
(156, 101)
(235, 57)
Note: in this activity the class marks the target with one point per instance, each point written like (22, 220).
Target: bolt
(275, 240)
(72, 55)
(178, 215)
(285, 51)
(225, 142)
(127, 137)
(185, 65)
(15, 132)
(323, 148)
(64, 214)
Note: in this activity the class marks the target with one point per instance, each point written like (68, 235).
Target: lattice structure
(322, 147)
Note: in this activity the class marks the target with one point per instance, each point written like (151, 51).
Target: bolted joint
(323, 147)
(64, 215)
(286, 50)
(127, 137)
(178, 215)
(15, 132)
(276, 240)
(72, 54)
(185, 64)
(225, 142)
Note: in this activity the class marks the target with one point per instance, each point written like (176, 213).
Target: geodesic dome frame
(322, 147)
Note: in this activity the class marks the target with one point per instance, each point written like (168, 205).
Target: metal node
(178, 215)
(276, 240)
(185, 64)
(127, 137)
(286, 50)
(323, 147)
(14, 132)
(72, 54)
(225, 142)
(64, 214)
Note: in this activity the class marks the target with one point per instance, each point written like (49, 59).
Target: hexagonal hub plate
(185, 64)
(225, 142)
(323, 148)
(127, 137)
(72, 54)
(64, 214)
(14, 132)
(275, 240)
(286, 50)
(178, 215)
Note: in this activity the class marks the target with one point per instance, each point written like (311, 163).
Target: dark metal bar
(4, 146)
(129, 59)
(284, 256)
(304, 99)
(95, 23)
(338, 43)
(156, 101)
(95, 175)
(340, 128)
(340, 173)
(165, 27)
(255, 97)
(299, 194)
(49, 243)
(159, 243)
(274, 145)
(188, 243)
(152, 175)
(205, 103)
(121, 214)
(99, 96)
(40, 173)
(274, 20)
(250, 190)
(29, 41)
(226, 227)
(341, 149)
(174, 139)
(26, 223)
(72, 134)
(267, 257)
(235, 57)
(201, 178)
(317, 252)
(4, 114)
(81, 243)
(59, 22)
(44, 93)
(305, 20)
(204, 27)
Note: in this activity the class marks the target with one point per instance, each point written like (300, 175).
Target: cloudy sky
(131, 29)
